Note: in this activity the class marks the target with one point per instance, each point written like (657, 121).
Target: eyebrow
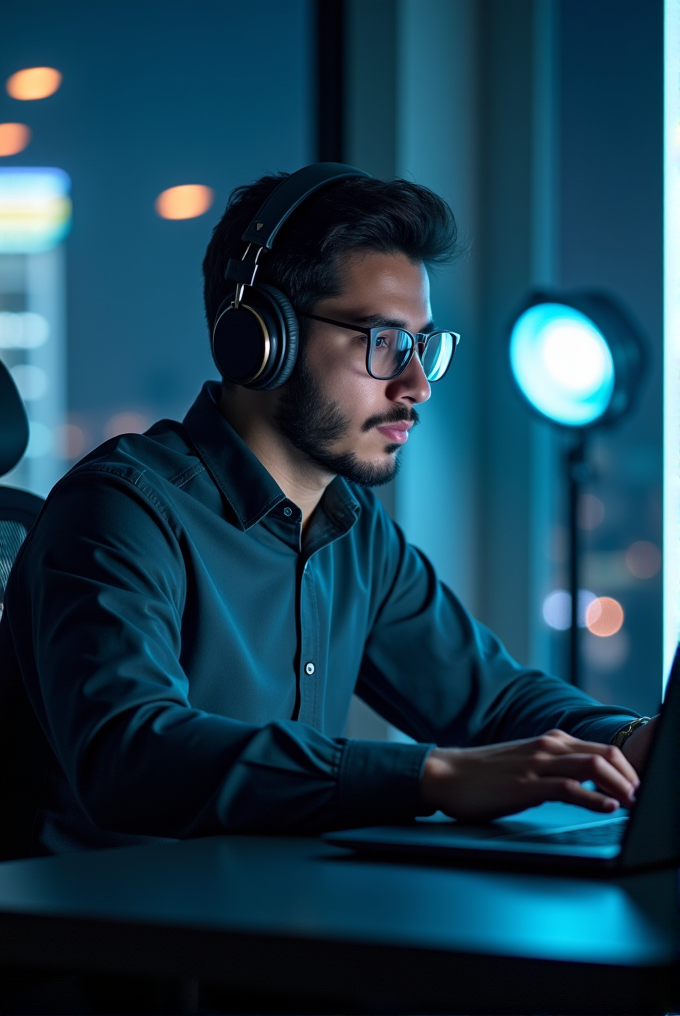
(378, 321)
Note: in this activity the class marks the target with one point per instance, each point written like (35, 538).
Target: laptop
(555, 835)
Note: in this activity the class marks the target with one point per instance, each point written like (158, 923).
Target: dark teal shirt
(176, 660)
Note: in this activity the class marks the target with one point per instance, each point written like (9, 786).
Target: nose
(411, 386)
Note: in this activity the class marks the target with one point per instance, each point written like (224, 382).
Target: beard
(312, 423)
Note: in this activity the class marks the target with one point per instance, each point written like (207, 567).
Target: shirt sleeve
(100, 651)
(439, 675)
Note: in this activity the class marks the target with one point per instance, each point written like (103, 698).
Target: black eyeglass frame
(419, 339)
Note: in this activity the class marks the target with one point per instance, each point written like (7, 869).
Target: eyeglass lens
(390, 351)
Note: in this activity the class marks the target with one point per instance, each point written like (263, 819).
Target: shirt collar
(247, 486)
(339, 504)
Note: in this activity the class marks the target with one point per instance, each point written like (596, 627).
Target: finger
(614, 756)
(568, 745)
(572, 792)
(589, 767)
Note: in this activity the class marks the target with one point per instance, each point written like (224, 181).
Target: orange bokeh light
(125, 423)
(643, 559)
(33, 83)
(14, 137)
(70, 441)
(604, 616)
(185, 202)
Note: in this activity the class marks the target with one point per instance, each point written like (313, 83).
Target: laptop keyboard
(607, 834)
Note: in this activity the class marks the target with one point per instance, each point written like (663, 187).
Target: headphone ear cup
(255, 344)
(238, 342)
(290, 337)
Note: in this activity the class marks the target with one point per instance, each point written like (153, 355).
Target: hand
(636, 747)
(478, 784)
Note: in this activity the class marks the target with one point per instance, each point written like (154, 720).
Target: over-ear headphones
(255, 334)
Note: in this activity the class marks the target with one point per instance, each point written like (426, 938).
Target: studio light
(577, 360)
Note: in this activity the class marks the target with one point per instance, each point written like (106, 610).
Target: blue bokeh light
(562, 364)
(35, 208)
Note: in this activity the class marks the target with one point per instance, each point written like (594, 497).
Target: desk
(317, 929)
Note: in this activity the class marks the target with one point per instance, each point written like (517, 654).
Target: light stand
(577, 361)
(577, 472)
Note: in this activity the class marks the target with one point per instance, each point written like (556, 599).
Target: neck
(251, 416)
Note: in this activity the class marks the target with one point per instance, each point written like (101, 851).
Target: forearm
(191, 776)
(483, 701)
(438, 674)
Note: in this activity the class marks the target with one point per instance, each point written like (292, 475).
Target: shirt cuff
(604, 728)
(379, 782)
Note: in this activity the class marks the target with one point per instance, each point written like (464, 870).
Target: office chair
(20, 991)
(18, 508)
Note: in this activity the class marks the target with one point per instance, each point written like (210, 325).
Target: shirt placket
(313, 656)
(310, 657)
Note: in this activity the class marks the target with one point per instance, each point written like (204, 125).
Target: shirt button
(309, 668)
(287, 511)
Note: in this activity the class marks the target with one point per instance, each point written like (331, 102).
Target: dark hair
(356, 214)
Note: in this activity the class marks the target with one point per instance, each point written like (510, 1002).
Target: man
(187, 621)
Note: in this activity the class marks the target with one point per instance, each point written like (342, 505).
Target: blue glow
(557, 608)
(562, 364)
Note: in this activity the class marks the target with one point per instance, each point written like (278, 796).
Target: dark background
(539, 120)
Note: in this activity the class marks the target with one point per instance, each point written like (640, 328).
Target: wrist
(438, 770)
(623, 734)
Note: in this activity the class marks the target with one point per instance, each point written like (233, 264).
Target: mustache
(397, 415)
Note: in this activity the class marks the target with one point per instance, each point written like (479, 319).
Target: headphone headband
(290, 193)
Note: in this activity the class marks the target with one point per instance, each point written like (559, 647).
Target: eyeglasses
(390, 350)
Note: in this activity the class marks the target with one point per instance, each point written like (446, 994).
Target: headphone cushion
(291, 344)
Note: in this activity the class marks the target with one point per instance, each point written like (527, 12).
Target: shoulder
(120, 494)
(146, 467)
(163, 452)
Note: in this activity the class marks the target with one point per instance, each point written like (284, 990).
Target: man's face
(345, 421)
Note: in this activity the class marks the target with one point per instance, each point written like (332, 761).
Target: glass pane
(671, 509)
(437, 356)
(390, 348)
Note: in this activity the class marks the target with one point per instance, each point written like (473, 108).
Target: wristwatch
(624, 733)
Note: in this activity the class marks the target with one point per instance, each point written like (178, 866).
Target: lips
(396, 433)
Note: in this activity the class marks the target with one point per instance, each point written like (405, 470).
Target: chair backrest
(18, 508)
